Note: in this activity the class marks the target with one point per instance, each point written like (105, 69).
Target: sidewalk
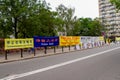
(29, 55)
(39, 53)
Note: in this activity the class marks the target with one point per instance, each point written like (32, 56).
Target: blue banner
(46, 41)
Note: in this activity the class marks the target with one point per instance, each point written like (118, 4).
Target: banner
(101, 38)
(117, 38)
(86, 42)
(85, 39)
(18, 43)
(46, 41)
(69, 40)
(89, 41)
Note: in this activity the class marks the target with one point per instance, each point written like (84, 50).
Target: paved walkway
(28, 55)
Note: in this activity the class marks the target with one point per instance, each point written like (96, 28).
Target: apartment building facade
(109, 18)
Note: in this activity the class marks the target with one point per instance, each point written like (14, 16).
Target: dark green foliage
(116, 3)
(28, 18)
(89, 27)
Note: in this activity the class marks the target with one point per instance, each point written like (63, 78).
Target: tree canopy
(116, 3)
(90, 27)
(24, 17)
(28, 18)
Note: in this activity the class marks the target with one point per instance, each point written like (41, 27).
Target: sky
(83, 8)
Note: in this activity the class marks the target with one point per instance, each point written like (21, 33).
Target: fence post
(62, 49)
(34, 51)
(21, 53)
(6, 55)
(75, 47)
(69, 48)
(54, 49)
(45, 50)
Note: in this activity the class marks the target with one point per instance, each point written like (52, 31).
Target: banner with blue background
(46, 41)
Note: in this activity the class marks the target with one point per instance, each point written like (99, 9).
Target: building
(109, 18)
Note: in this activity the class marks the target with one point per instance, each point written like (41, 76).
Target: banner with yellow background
(69, 40)
(117, 38)
(18, 43)
(101, 38)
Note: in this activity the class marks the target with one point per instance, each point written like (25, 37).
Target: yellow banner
(69, 40)
(101, 38)
(117, 38)
(18, 43)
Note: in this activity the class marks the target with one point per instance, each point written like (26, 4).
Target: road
(93, 64)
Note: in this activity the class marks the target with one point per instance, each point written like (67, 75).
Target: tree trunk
(15, 28)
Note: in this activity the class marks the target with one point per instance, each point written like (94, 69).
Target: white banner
(90, 42)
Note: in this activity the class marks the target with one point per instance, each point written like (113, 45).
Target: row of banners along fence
(80, 42)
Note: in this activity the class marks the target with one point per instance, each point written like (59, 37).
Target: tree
(42, 24)
(15, 12)
(66, 17)
(116, 3)
(90, 27)
(85, 26)
(95, 28)
(49, 22)
(5, 31)
(28, 18)
(76, 29)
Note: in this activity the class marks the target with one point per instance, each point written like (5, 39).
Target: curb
(45, 55)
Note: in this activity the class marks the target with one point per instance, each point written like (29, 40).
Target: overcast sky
(83, 8)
